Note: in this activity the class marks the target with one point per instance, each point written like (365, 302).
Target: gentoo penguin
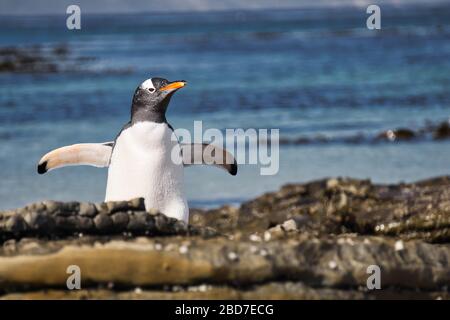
(144, 160)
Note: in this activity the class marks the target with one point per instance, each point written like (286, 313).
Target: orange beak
(173, 85)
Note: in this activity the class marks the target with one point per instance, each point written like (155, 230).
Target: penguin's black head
(151, 99)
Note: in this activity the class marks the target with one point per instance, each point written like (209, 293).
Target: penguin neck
(142, 112)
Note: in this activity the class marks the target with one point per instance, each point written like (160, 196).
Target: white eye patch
(148, 84)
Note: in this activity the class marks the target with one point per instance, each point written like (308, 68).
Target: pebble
(255, 238)
(332, 264)
(169, 247)
(199, 288)
(343, 201)
(332, 183)
(174, 288)
(202, 288)
(289, 225)
(232, 256)
(183, 249)
(399, 246)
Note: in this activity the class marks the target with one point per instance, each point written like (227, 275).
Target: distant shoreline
(277, 6)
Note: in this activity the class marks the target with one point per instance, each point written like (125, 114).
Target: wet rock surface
(304, 241)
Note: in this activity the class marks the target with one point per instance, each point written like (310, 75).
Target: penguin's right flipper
(91, 154)
(197, 153)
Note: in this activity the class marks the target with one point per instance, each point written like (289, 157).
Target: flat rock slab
(340, 262)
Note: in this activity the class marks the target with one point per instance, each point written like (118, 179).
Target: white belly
(142, 166)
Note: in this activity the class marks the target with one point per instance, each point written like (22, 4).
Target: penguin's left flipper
(91, 154)
(201, 153)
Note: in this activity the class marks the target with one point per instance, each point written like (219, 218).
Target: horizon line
(438, 3)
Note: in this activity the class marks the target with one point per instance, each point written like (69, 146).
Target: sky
(31, 7)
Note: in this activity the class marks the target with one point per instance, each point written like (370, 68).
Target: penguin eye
(151, 89)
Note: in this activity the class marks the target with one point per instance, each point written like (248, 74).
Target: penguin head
(152, 97)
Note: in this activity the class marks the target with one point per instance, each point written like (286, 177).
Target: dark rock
(224, 218)
(343, 206)
(117, 206)
(140, 221)
(66, 225)
(103, 222)
(38, 207)
(442, 131)
(16, 224)
(101, 207)
(87, 209)
(52, 206)
(85, 224)
(179, 227)
(43, 222)
(66, 209)
(61, 50)
(137, 204)
(58, 219)
(161, 222)
(437, 131)
(397, 134)
(120, 220)
(34, 59)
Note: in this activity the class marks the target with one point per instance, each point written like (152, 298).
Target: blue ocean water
(306, 72)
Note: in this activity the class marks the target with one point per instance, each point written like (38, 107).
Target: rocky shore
(304, 241)
(39, 59)
(431, 131)
(49, 59)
